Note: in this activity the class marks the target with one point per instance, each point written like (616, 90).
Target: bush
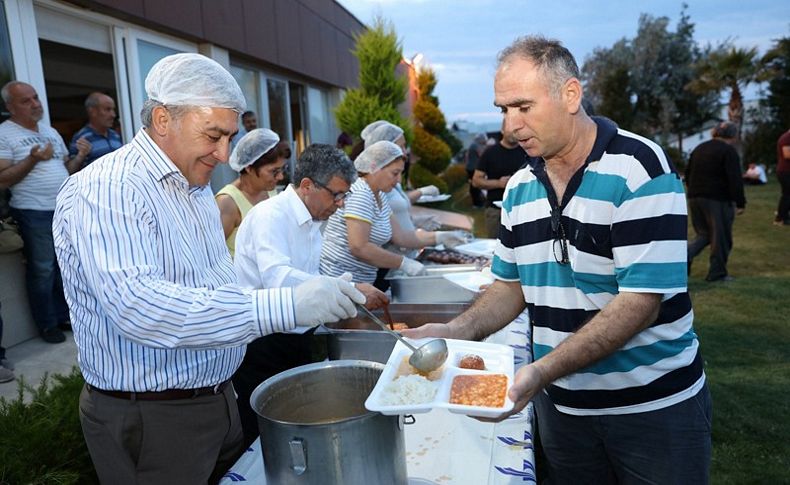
(455, 177)
(358, 109)
(41, 441)
(430, 116)
(434, 154)
(421, 177)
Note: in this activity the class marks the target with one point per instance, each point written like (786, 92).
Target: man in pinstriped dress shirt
(158, 318)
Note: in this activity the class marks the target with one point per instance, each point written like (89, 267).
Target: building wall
(304, 42)
(313, 38)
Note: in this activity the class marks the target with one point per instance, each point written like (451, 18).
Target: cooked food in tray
(448, 256)
(479, 390)
(472, 361)
(473, 381)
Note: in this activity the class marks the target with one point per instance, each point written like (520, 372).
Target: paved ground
(34, 358)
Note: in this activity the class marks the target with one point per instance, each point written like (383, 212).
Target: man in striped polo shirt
(98, 132)
(593, 244)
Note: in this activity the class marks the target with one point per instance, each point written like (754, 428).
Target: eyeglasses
(336, 196)
(277, 171)
(560, 244)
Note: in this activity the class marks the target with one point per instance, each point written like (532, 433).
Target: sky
(460, 38)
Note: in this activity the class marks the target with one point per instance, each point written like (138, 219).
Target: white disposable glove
(427, 222)
(324, 299)
(429, 190)
(411, 267)
(451, 239)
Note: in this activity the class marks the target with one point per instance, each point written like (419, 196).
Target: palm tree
(728, 67)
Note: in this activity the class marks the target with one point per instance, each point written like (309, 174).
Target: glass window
(248, 82)
(278, 107)
(6, 61)
(320, 123)
(148, 54)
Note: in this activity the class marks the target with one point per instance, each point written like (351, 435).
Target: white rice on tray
(408, 389)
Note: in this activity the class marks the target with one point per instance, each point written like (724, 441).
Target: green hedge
(420, 177)
(41, 441)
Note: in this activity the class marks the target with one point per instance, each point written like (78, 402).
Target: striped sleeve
(649, 234)
(120, 233)
(504, 266)
(360, 205)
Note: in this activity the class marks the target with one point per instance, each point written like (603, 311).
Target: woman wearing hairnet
(400, 201)
(355, 234)
(260, 159)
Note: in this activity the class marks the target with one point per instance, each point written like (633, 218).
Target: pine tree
(380, 90)
(430, 132)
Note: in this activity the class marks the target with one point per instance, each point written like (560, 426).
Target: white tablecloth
(446, 448)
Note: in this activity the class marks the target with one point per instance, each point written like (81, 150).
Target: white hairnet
(251, 147)
(371, 126)
(376, 156)
(193, 80)
(385, 131)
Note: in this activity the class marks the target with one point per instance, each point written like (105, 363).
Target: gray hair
(147, 113)
(93, 99)
(320, 162)
(549, 56)
(5, 93)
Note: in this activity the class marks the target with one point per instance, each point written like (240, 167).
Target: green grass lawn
(744, 331)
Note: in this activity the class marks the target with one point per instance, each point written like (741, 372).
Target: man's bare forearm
(497, 306)
(14, 174)
(624, 317)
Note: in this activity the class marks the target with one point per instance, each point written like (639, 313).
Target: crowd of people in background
(169, 283)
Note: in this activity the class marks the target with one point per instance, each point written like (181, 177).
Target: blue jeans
(42, 275)
(666, 446)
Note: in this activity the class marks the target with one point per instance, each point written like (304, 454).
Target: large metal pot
(315, 428)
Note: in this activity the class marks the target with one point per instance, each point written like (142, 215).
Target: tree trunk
(735, 107)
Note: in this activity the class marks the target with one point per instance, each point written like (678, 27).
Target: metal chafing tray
(431, 287)
(359, 338)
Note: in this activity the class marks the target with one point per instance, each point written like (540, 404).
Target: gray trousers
(712, 221)
(189, 441)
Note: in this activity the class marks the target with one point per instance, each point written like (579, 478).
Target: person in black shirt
(496, 165)
(715, 189)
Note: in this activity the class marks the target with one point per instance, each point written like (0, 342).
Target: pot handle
(298, 456)
(409, 419)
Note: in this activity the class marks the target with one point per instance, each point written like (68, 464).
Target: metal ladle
(425, 358)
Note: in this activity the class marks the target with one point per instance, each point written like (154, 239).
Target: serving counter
(445, 448)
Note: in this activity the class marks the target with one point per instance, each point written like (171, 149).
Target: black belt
(166, 395)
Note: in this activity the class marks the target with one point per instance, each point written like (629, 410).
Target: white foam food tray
(470, 280)
(432, 198)
(478, 247)
(498, 360)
